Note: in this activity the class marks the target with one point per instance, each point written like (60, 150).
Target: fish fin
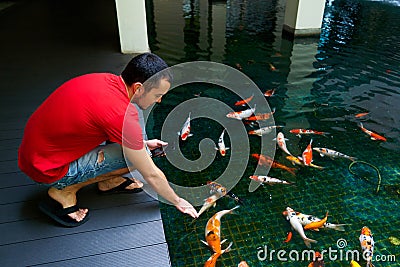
(228, 248)
(215, 204)
(223, 241)
(274, 139)
(322, 155)
(352, 158)
(227, 148)
(204, 242)
(308, 242)
(189, 135)
(373, 138)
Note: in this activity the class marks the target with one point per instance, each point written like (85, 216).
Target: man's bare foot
(114, 182)
(67, 199)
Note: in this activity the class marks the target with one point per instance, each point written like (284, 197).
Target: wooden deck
(43, 44)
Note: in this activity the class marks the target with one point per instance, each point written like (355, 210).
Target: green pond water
(320, 83)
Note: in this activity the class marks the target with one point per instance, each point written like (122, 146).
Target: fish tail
(308, 242)
(337, 227)
(292, 171)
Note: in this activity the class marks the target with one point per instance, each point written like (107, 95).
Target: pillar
(131, 16)
(303, 17)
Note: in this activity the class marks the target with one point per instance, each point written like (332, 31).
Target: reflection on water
(321, 83)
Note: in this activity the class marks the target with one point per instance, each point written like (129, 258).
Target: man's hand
(154, 143)
(185, 207)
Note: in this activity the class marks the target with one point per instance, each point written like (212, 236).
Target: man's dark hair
(144, 66)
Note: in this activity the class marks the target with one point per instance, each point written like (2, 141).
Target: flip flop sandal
(121, 189)
(54, 210)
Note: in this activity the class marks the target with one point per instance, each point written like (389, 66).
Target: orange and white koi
(281, 141)
(240, 115)
(269, 162)
(213, 232)
(185, 131)
(374, 136)
(299, 132)
(332, 153)
(216, 188)
(244, 101)
(269, 93)
(318, 260)
(263, 130)
(268, 180)
(221, 145)
(212, 261)
(316, 224)
(359, 115)
(306, 219)
(297, 161)
(307, 155)
(367, 245)
(290, 215)
(261, 116)
(209, 202)
(243, 264)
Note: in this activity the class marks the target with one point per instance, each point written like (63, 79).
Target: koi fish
(316, 224)
(288, 237)
(299, 132)
(297, 161)
(271, 67)
(261, 116)
(353, 263)
(243, 264)
(212, 261)
(332, 153)
(281, 141)
(374, 136)
(209, 202)
(306, 219)
(244, 101)
(269, 93)
(221, 145)
(216, 188)
(307, 155)
(290, 215)
(268, 162)
(263, 130)
(367, 245)
(240, 115)
(213, 232)
(185, 131)
(318, 260)
(359, 115)
(268, 180)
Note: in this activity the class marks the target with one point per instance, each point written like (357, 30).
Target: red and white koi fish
(359, 115)
(244, 101)
(261, 116)
(269, 162)
(221, 145)
(213, 232)
(332, 153)
(281, 141)
(271, 67)
(318, 260)
(268, 180)
(367, 245)
(209, 202)
(297, 161)
(263, 130)
(374, 136)
(307, 155)
(240, 115)
(269, 93)
(299, 132)
(306, 219)
(185, 131)
(290, 215)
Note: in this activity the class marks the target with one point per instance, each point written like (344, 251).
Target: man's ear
(137, 87)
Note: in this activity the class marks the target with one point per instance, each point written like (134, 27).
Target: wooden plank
(81, 244)
(15, 179)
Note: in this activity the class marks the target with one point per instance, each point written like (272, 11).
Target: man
(63, 144)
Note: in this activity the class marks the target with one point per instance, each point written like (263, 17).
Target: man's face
(145, 99)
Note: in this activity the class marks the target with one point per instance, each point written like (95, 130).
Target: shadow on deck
(44, 43)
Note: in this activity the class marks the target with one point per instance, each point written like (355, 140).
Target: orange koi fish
(367, 245)
(297, 161)
(317, 224)
(240, 115)
(359, 115)
(261, 116)
(212, 261)
(243, 264)
(269, 93)
(216, 188)
(299, 132)
(268, 162)
(318, 260)
(288, 237)
(244, 101)
(374, 136)
(213, 232)
(307, 155)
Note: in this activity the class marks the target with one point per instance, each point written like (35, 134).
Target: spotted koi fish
(268, 180)
(221, 145)
(209, 202)
(300, 132)
(290, 215)
(240, 115)
(332, 153)
(216, 188)
(263, 130)
(184, 133)
(269, 162)
(367, 245)
(244, 101)
(261, 116)
(374, 136)
(281, 141)
(306, 219)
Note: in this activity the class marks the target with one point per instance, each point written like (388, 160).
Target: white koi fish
(268, 180)
(263, 130)
(296, 225)
(332, 153)
(281, 141)
(221, 145)
(185, 131)
(367, 245)
(209, 202)
(240, 115)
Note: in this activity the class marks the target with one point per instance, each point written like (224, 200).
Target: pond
(332, 83)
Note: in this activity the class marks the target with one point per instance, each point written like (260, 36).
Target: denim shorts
(88, 167)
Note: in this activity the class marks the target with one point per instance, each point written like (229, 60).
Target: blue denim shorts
(88, 167)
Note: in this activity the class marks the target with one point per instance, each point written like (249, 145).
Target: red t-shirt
(77, 117)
